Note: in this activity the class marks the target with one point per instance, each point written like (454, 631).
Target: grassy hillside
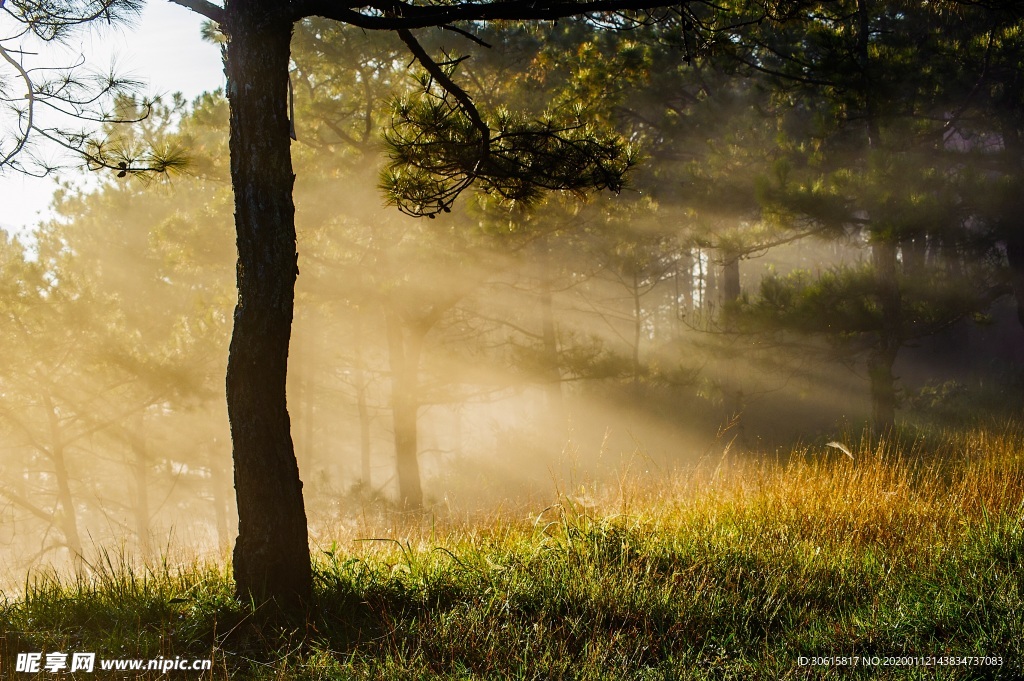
(735, 570)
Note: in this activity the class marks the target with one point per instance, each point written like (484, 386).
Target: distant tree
(865, 96)
(127, 333)
(442, 145)
(983, 58)
(60, 396)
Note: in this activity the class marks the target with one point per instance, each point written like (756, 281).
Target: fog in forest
(731, 300)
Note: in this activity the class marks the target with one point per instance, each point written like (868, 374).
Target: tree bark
(271, 555)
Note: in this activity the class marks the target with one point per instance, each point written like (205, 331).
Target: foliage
(877, 127)
(843, 304)
(46, 107)
(435, 156)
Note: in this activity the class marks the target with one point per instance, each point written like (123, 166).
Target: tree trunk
(410, 487)
(140, 468)
(682, 280)
(365, 445)
(1012, 226)
(883, 255)
(67, 515)
(271, 556)
(404, 358)
(883, 389)
(1015, 259)
(552, 375)
(711, 287)
(890, 337)
(915, 255)
(638, 324)
(730, 277)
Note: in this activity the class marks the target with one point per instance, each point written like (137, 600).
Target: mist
(505, 352)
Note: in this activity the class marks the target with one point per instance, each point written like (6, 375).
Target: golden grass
(895, 499)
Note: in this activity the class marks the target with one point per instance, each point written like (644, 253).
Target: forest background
(819, 235)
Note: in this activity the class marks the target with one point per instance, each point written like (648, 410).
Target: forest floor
(895, 562)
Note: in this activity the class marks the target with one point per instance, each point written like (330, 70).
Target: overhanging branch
(401, 15)
(207, 9)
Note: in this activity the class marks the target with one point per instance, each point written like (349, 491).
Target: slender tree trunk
(410, 488)
(365, 446)
(67, 515)
(867, 73)
(271, 556)
(883, 254)
(683, 282)
(1012, 226)
(701, 288)
(734, 400)
(730, 277)
(883, 389)
(731, 293)
(711, 284)
(1015, 259)
(140, 469)
(890, 337)
(555, 412)
(638, 324)
(914, 253)
(404, 358)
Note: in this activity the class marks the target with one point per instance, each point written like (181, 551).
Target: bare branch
(30, 97)
(24, 503)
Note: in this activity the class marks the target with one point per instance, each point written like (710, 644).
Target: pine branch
(460, 95)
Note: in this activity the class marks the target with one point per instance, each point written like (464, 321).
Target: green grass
(730, 571)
